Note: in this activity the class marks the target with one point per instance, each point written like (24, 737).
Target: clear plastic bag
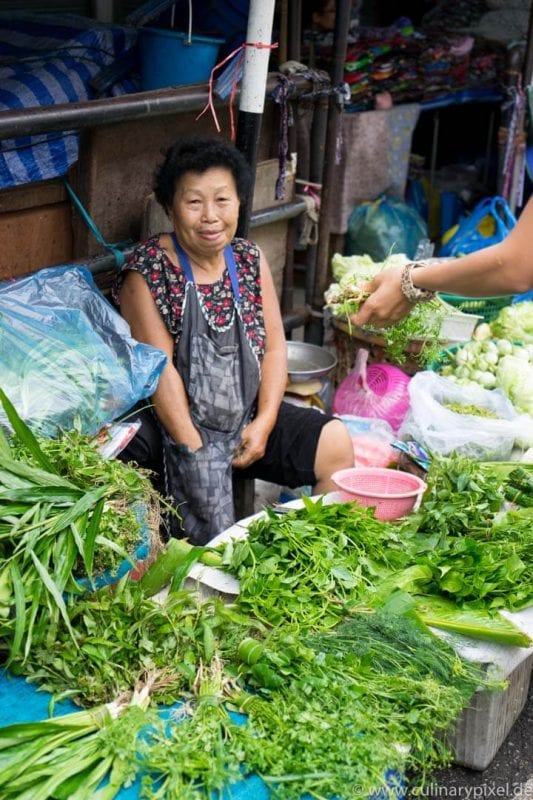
(441, 430)
(67, 356)
(372, 440)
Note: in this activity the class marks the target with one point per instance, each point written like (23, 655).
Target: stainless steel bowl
(306, 362)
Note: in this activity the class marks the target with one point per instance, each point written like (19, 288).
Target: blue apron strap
(183, 258)
(228, 257)
(232, 269)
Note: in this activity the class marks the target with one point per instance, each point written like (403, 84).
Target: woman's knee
(334, 451)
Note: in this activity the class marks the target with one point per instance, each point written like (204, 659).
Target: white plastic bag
(444, 431)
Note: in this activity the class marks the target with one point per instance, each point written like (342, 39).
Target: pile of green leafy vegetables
(476, 553)
(329, 708)
(318, 562)
(64, 513)
(325, 651)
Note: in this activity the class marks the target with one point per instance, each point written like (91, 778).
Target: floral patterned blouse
(167, 286)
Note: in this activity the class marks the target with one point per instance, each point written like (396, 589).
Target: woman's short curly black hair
(198, 155)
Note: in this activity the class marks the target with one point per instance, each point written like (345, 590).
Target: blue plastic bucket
(168, 59)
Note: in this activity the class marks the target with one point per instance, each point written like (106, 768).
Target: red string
(210, 104)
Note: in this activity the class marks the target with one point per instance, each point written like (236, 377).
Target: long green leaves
(20, 608)
(62, 508)
(24, 433)
(68, 757)
(475, 623)
(91, 533)
(54, 591)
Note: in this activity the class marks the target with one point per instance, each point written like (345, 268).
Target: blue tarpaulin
(49, 60)
(21, 702)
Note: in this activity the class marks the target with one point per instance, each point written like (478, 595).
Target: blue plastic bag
(386, 225)
(489, 223)
(67, 357)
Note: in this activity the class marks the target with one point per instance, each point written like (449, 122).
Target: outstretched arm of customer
(504, 268)
(170, 399)
(273, 376)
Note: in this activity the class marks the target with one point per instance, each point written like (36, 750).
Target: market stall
(314, 624)
(333, 646)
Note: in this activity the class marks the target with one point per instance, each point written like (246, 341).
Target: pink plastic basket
(391, 492)
(378, 390)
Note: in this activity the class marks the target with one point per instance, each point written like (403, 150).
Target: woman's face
(205, 211)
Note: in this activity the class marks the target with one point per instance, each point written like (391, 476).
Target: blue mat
(21, 702)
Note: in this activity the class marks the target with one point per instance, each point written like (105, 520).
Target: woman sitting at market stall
(207, 299)
(504, 268)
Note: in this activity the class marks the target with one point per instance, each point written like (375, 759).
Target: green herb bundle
(310, 564)
(119, 634)
(476, 553)
(372, 694)
(68, 757)
(198, 752)
(55, 521)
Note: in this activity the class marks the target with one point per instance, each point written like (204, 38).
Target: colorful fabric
(418, 65)
(167, 287)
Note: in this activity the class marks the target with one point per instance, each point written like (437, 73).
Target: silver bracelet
(411, 293)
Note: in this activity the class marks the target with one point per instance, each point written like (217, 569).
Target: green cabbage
(362, 267)
(515, 322)
(515, 376)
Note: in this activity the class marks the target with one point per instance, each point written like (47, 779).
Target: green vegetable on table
(347, 680)
(474, 623)
(478, 554)
(119, 634)
(310, 565)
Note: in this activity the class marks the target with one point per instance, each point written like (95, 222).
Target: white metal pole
(253, 89)
(260, 18)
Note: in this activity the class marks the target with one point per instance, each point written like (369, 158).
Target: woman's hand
(253, 444)
(386, 303)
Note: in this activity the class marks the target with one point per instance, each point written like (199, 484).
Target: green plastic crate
(486, 307)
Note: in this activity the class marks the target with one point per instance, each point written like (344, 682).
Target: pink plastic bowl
(392, 492)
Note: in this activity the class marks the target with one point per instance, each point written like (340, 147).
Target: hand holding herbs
(422, 324)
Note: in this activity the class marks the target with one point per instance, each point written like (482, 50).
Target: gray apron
(221, 377)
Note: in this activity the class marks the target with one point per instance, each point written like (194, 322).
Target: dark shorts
(289, 459)
(291, 448)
